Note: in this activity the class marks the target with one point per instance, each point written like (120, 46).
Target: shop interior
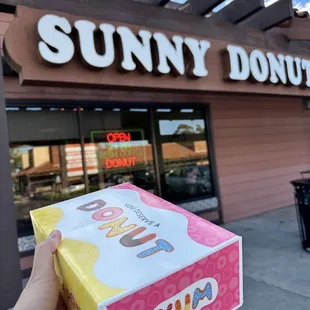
(60, 152)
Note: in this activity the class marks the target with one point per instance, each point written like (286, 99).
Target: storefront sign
(57, 48)
(53, 48)
(269, 67)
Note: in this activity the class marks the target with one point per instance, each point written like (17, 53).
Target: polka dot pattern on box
(220, 266)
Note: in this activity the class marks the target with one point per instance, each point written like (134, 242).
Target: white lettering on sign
(56, 47)
(168, 51)
(306, 66)
(58, 40)
(259, 66)
(267, 67)
(156, 53)
(239, 63)
(133, 47)
(294, 64)
(86, 31)
(198, 50)
(277, 68)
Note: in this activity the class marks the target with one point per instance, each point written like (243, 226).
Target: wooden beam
(154, 2)
(202, 7)
(271, 16)
(238, 10)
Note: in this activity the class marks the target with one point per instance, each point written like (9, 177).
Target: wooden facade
(261, 145)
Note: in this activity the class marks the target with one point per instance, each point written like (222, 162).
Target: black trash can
(302, 202)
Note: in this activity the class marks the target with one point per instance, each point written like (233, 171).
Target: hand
(42, 290)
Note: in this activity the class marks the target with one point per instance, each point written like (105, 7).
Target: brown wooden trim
(238, 10)
(155, 148)
(15, 92)
(213, 161)
(271, 16)
(82, 144)
(10, 279)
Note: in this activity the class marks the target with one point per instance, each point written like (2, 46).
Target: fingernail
(53, 234)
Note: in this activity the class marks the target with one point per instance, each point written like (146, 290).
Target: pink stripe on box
(223, 266)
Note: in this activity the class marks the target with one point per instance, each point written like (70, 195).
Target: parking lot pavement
(276, 268)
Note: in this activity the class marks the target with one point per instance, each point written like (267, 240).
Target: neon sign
(120, 162)
(118, 137)
(120, 149)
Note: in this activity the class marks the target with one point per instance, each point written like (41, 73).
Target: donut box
(125, 249)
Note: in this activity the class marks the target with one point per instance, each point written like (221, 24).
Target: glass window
(122, 138)
(185, 166)
(46, 164)
(48, 147)
(47, 161)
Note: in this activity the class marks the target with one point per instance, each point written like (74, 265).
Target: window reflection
(43, 175)
(45, 158)
(186, 167)
(124, 149)
(181, 127)
(46, 155)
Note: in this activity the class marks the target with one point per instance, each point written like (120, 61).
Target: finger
(53, 240)
(43, 264)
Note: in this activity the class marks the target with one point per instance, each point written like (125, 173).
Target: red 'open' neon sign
(118, 137)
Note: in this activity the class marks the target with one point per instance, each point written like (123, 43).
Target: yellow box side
(71, 286)
(74, 264)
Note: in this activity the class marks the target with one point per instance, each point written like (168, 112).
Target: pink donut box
(223, 265)
(124, 248)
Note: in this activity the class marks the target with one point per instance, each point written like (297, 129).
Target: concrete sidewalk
(276, 268)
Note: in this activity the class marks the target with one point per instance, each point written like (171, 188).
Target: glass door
(183, 156)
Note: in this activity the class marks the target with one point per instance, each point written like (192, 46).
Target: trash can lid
(301, 182)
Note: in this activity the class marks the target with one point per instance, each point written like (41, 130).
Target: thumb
(43, 264)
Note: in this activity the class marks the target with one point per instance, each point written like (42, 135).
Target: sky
(302, 5)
